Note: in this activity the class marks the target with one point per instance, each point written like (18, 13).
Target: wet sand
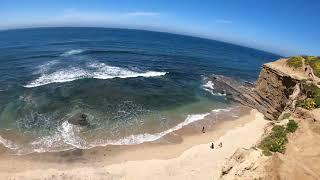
(175, 156)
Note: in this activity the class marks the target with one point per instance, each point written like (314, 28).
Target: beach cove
(192, 155)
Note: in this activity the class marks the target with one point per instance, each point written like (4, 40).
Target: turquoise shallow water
(134, 86)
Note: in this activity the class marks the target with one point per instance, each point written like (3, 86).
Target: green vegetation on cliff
(292, 126)
(312, 92)
(314, 62)
(295, 62)
(276, 141)
(308, 104)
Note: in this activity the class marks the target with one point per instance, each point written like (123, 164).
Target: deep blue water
(128, 82)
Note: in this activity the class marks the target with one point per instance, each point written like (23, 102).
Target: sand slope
(301, 160)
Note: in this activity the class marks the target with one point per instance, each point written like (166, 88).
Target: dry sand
(191, 158)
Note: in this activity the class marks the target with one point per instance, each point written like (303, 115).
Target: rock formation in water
(79, 119)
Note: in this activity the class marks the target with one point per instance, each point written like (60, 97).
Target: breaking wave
(209, 87)
(92, 70)
(142, 138)
(67, 137)
(72, 52)
(46, 67)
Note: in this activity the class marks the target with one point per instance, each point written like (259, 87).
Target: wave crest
(67, 137)
(72, 52)
(92, 70)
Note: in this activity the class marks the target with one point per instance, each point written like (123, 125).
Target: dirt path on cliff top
(302, 157)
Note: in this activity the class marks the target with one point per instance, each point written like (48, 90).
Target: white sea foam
(67, 137)
(8, 144)
(64, 75)
(72, 52)
(142, 138)
(45, 67)
(92, 70)
(103, 71)
(215, 93)
(209, 86)
(222, 110)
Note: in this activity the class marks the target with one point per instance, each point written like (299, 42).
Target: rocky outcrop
(274, 89)
(271, 94)
(79, 119)
(275, 94)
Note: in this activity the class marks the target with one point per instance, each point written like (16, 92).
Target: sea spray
(209, 87)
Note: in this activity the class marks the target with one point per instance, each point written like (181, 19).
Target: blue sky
(286, 27)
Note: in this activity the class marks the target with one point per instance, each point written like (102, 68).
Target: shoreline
(188, 144)
(22, 144)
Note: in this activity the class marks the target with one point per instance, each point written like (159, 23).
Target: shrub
(310, 59)
(311, 90)
(317, 101)
(300, 103)
(314, 62)
(292, 126)
(316, 67)
(286, 116)
(295, 62)
(276, 141)
(279, 145)
(308, 104)
(278, 131)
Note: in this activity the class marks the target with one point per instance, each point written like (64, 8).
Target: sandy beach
(191, 158)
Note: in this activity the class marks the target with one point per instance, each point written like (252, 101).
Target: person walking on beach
(212, 146)
(203, 130)
(220, 144)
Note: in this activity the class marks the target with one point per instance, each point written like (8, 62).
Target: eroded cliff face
(276, 92)
(270, 95)
(273, 89)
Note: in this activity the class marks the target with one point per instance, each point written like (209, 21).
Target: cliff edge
(276, 89)
(287, 92)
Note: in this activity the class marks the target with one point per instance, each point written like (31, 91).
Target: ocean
(133, 86)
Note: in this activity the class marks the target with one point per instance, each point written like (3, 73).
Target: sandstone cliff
(270, 95)
(276, 91)
(273, 90)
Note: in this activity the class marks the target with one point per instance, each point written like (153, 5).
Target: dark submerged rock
(79, 119)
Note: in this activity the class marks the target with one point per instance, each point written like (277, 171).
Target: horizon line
(149, 30)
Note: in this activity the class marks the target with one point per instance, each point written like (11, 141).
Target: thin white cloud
(223, 21)
(74, 14)
(142, 13)
(74, 17)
